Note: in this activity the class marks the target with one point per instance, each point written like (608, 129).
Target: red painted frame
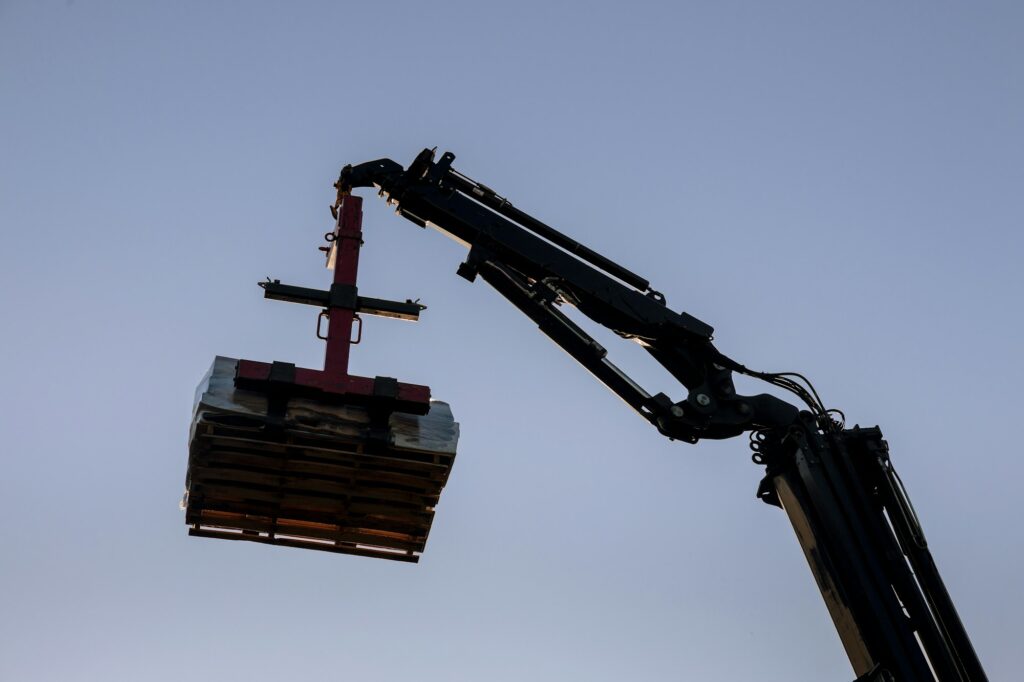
(334, 380)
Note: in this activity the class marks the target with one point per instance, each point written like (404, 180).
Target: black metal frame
(342, 295)
(538, 269)
(867, 552)
(849, 511)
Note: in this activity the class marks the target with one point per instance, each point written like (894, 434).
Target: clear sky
(836, 187)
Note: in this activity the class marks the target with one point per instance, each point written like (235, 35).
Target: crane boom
(847, 506)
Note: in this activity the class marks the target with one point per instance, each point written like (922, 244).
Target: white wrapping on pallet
(436, 431)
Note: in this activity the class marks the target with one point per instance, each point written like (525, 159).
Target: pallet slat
(358, 550)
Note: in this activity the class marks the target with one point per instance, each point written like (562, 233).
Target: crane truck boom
(837, 485)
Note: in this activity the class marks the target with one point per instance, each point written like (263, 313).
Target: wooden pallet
(333, 484)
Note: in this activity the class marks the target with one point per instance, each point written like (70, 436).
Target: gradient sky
(836, 187)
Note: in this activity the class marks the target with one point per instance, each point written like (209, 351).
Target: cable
(808, 394)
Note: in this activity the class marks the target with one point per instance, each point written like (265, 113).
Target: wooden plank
(299, 469)
(324, 547)
(309, 485)
(305, 529)
(363, 523)
(412, 482)
(353, 514)
(323, 444)
(203, 444)
(210, 517)
(313, 487)
(320, 531)
(340, 504)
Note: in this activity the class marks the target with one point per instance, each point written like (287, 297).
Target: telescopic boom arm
(539, 269)
(850, 512)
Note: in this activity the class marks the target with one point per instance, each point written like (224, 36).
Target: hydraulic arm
(845, 501)
(539, 269)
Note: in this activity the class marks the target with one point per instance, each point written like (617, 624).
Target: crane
(837, 485)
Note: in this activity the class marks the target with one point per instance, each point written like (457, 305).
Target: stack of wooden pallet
(329, 477)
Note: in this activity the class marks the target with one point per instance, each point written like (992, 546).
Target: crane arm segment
(541, 270)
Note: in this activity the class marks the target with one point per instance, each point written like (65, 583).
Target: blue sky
(835, 187)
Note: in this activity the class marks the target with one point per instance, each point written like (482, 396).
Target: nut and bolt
(703, 400)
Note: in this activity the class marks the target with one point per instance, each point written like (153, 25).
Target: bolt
(703, 400)
(676, 411)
